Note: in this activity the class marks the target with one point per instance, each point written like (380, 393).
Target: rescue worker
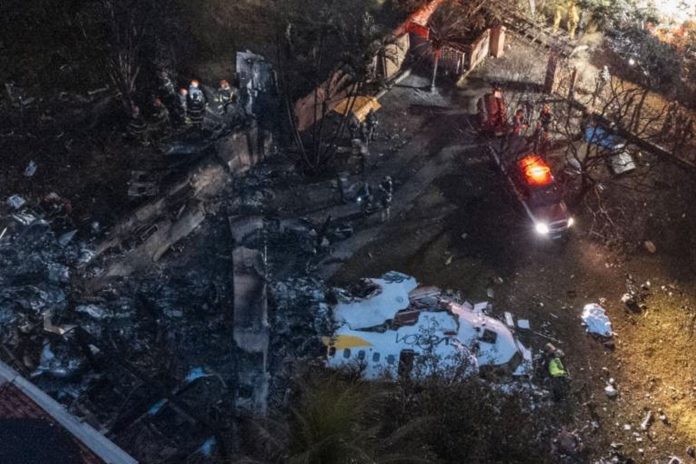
(182, 106)
(545, 118)
(364, 135)
(341, 181)
(225, 96)
(543, 126)
(366, 199)
(566, 9)
(519, 122)
(371, 124)
(360, 149)
(558, 375)
(137, 127)
(353, 127)
(493, 112)
(386, 189)
(195, 92)
(167, 84)
(196, 105)
(160, 117)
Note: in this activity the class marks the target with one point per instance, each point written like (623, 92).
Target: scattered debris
(93, 311)
(16, 201)
(523, 324)
(509, 320)
(647, 420)
(67, 237)
(141, 185)
(195, 374)
(596, 320)
(662, 416)
(650, 246)
(208, 447)
(31, 168)
(611, 391)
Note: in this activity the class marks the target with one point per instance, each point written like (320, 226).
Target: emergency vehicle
(534, 186)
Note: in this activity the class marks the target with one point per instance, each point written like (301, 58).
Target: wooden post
(497, 47)
(551, 72)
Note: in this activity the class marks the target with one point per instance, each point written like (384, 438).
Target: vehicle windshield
(546, 195)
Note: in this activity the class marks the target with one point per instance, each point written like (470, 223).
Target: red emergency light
(535, 170)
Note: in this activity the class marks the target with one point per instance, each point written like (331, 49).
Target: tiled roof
(35, 425)
(14, 404)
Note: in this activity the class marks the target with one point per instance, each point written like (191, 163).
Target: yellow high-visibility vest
(556, 368)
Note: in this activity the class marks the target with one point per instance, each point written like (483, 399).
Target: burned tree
(321, 60)
(126, 38)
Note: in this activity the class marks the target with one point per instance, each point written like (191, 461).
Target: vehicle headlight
(542, 228)
(571, 221)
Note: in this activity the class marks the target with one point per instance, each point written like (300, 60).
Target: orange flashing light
(535, 170)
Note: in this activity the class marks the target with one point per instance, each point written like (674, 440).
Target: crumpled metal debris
(31, 168)
(16, 201)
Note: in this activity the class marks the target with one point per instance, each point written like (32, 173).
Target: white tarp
(596, 320)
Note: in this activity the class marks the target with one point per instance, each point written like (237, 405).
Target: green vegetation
(338, 418)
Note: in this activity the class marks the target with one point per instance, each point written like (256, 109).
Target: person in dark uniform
(386, 190)
(182, 107)
(541, 134)
(196, 105)
(353, 127)
(137, 127)
(519, 122)
(371, 124)
(160, 117)
(225, 96)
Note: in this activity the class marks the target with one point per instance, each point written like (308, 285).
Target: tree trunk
(437, 62)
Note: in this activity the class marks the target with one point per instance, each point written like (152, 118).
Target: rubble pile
(113, 353)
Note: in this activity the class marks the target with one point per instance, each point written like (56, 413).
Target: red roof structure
(36, 429)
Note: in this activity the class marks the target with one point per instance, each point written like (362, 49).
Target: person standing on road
(353, 127)
(386, 189)
(371, 124)
(519, 122)
(541, 134)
